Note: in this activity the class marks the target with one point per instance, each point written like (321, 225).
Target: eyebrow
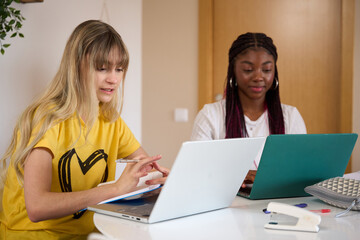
(247, 62)
(111, 63)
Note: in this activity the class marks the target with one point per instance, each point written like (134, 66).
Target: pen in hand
(123, 160)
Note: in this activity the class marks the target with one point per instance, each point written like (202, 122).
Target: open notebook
(291, 162)
(205, 176)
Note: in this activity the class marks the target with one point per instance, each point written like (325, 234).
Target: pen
(122, 160)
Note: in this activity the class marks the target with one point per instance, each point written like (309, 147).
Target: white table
(243, 220)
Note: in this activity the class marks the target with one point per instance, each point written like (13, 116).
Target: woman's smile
(107, 90)
(257, 89)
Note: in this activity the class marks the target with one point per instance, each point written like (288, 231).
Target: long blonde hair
(71, 91)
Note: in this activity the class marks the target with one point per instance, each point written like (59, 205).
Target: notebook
(291, 162)
(205, 176)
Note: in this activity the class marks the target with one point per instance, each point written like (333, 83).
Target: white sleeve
(203, 128)
(209, 123)
(294, 123)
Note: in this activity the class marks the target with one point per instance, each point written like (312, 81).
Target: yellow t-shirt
(80, 162)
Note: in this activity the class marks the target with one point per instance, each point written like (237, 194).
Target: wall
(170, 31)
(30, 63)
(356, 89)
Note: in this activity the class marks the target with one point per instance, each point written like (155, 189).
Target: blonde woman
(67, 141)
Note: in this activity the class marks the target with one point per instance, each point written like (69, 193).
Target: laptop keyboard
(143, 210)
(140, 207)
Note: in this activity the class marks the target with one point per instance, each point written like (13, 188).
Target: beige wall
(170, 32)
(356, 89)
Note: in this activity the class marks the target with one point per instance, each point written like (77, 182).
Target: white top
(210, 124)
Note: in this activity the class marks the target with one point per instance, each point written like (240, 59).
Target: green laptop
(291, 162)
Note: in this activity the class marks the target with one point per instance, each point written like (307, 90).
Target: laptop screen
(291, 162)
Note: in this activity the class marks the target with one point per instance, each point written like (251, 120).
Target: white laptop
(205, 176)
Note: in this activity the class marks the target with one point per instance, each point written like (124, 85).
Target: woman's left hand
(134, 171)
(249, 179)
(141, 154)
(165, 172)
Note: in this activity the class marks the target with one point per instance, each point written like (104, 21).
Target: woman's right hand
(133, 172)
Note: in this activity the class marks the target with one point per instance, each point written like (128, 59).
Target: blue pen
(300, 205)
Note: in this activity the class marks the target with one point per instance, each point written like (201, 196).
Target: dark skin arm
(250, 177)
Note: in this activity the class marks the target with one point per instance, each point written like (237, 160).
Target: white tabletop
(243, 220)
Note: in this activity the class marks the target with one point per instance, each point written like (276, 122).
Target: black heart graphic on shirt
(64, 169)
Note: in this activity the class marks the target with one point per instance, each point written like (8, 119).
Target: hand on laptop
(249, 179)
(134, 171)
(165, 172)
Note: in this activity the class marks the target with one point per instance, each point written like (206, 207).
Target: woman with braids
(251, 107)
(66, 143)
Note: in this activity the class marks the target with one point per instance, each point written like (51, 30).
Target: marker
(321, 211)
(122, 160)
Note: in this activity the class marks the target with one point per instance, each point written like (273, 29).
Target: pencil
(122, 160)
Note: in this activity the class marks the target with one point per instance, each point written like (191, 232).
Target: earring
(231, 83)
(276, 84)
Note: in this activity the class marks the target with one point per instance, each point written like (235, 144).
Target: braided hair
(234, 121)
